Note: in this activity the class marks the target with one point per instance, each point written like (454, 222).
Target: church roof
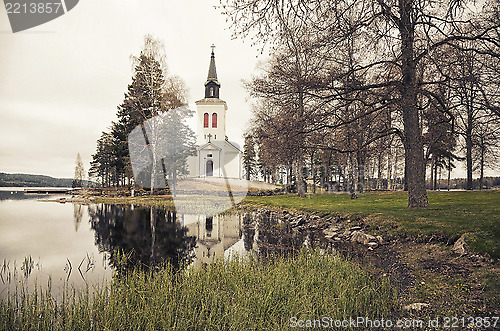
(211, 144)
(219, 145)
(215, 101)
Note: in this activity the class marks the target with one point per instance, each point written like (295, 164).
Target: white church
(216, 157)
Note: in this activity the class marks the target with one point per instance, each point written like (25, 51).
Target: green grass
(223, 296)
(476, 214)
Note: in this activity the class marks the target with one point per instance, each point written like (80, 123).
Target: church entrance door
(210, 168)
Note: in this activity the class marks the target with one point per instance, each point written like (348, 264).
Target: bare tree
(398, 37)
(486, 143)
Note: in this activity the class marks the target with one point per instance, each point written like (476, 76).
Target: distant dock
(51, 190)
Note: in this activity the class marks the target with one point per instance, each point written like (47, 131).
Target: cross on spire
(212, 85)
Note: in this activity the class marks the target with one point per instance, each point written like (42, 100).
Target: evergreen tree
(249, 157)
(102, 160)
(151, 93)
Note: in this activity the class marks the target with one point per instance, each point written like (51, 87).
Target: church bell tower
(216, 156)
(211, 111)
(212, 86)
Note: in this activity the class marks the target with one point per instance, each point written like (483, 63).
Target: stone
(372, 245)
(346, 234)
(354, 228)
(362, 238)
(333, 228)
(460, 247)
(329, 234)
(357, 237)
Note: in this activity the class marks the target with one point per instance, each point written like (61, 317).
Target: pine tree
(249, 157)
(151, 93)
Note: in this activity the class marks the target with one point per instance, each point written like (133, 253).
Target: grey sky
(61, 82)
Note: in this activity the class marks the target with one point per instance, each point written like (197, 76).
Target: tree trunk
(449, 172)
(313, 172)
(299, 176)
(468, 156)
(379, 171)
(360, 160)
(431, 186)
(434, 185)
(414, 151)
(389, 169)
(481, 175)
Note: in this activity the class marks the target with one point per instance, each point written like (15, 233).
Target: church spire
(212, 72)
(212, 85)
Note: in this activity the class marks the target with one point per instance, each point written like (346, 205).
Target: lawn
(475, 214)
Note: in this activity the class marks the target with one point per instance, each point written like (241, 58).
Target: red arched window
(205, 120)
(214, 120)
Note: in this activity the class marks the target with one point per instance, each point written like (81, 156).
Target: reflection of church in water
(217, 237)
(216, 156)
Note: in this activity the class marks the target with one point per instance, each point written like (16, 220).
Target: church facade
(216, 156)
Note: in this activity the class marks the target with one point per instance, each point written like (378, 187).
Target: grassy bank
(476, 214)
(223, 296)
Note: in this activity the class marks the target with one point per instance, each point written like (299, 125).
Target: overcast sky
(60, 82)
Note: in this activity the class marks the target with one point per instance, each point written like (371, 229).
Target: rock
(354, 228)
(333, 229)
(416, 306)
(357, 237)
(329, 234)
(370, 239)
(380, 240)
(346, 234)
(362, 238)
(372, 245)
(460, 247)
(297, 222)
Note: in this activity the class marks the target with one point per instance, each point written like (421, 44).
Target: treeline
(20, 180)
(152, 92)
(365, 91)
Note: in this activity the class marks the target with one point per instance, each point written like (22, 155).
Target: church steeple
(212, 85)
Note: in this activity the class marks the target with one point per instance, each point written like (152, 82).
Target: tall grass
(232, 295)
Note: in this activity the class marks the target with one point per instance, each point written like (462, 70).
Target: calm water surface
(71, 244)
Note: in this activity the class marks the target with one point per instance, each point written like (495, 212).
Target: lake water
(71, 244)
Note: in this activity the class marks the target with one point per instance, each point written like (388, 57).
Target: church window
(205, 120)
(214, 120)
(211, 91)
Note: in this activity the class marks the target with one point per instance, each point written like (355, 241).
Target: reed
(225, 295)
